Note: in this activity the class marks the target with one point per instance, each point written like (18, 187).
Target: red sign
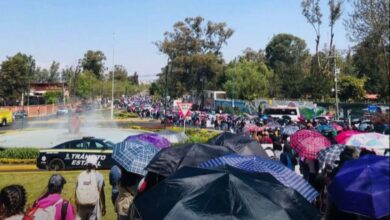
(184, 108)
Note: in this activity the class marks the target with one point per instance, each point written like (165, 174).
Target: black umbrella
(227, 193)
(239, 143)
(168, 160)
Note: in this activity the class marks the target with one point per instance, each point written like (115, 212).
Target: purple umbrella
(363, 186)
(155, 139)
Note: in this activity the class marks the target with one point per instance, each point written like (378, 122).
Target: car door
(76, 154)
(105, 158)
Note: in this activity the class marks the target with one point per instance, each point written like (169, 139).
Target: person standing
(51, 205)
(115, 176)
(12, 202)
(90, 198)
(127, 187)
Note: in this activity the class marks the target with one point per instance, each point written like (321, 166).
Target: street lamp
(336, 71)
(113, 73)
(166, 91)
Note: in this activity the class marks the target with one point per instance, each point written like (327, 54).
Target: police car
(73, 154)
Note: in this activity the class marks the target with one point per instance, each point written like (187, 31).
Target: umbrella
(228, 193)
(330, 155)
(363, 186)
(337, 127)
(251, 127)
(273, 125)
(239, 143)
(308, 143)
(343, 136)
(154, 139)
(173, 137)
(289, 130)
(134, 155)
(168, 160)
(257, 164)
(369, 140)
(325, 129)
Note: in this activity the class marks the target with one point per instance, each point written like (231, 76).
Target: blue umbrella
(325, 128)
(134, 155)
(363, 186)
(258, 164)
(289, 130)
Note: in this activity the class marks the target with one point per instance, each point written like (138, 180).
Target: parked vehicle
(20, 114)
(73, 154)
(6, 117)
(280, 111)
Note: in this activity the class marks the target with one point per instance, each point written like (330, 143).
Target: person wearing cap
(92, 212)
(52, 197)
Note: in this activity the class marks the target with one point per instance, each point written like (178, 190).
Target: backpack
(48, 213)
(87, 192)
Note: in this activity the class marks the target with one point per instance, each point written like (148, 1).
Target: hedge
(19, 153)
(17, 161)
(123, 115)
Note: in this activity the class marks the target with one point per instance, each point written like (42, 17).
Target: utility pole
(336, 72)
(166, 93)
(113, 74)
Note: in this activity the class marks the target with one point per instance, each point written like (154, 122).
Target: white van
(279, 111)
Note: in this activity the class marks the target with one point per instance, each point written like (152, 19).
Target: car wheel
(56, 164)
(4, 122)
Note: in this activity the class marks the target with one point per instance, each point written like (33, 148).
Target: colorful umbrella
(345, 135)
(290, 130)
(308, 143)
(134, 155)
(330, 155)
(325, 129)
(154, 139)
(371, 140)
(251, 128)
(173, 137)
(363, 186)
(337, 127)
(273, 125)
(225, 193)
(261, 165)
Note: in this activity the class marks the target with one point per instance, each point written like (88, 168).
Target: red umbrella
(343, 137)
(308, 143)
(337, 126)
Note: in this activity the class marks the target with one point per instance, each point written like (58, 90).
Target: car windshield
(109, 144)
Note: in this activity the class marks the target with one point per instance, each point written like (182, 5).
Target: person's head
(364, 151)
(91, 162)
(12, 201)
(56, 184)
(129, 179)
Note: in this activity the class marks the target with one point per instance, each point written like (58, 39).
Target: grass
(35, 184)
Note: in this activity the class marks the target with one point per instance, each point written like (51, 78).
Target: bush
(196, 135)
(19, 153)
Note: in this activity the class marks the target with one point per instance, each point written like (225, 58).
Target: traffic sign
(184, 108)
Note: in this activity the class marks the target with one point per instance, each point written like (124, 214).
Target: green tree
(194, 49)
(288, 56)
(54, 73)
(52, 97)
(15, 74)
(247, 80)
(85, 85)
(351, 88)
(120, 73)
(368, 25)
(93, 61)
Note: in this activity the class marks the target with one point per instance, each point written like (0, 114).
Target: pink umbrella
(343, 137)
(251, 128)
(337, 127)
(308, 143)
